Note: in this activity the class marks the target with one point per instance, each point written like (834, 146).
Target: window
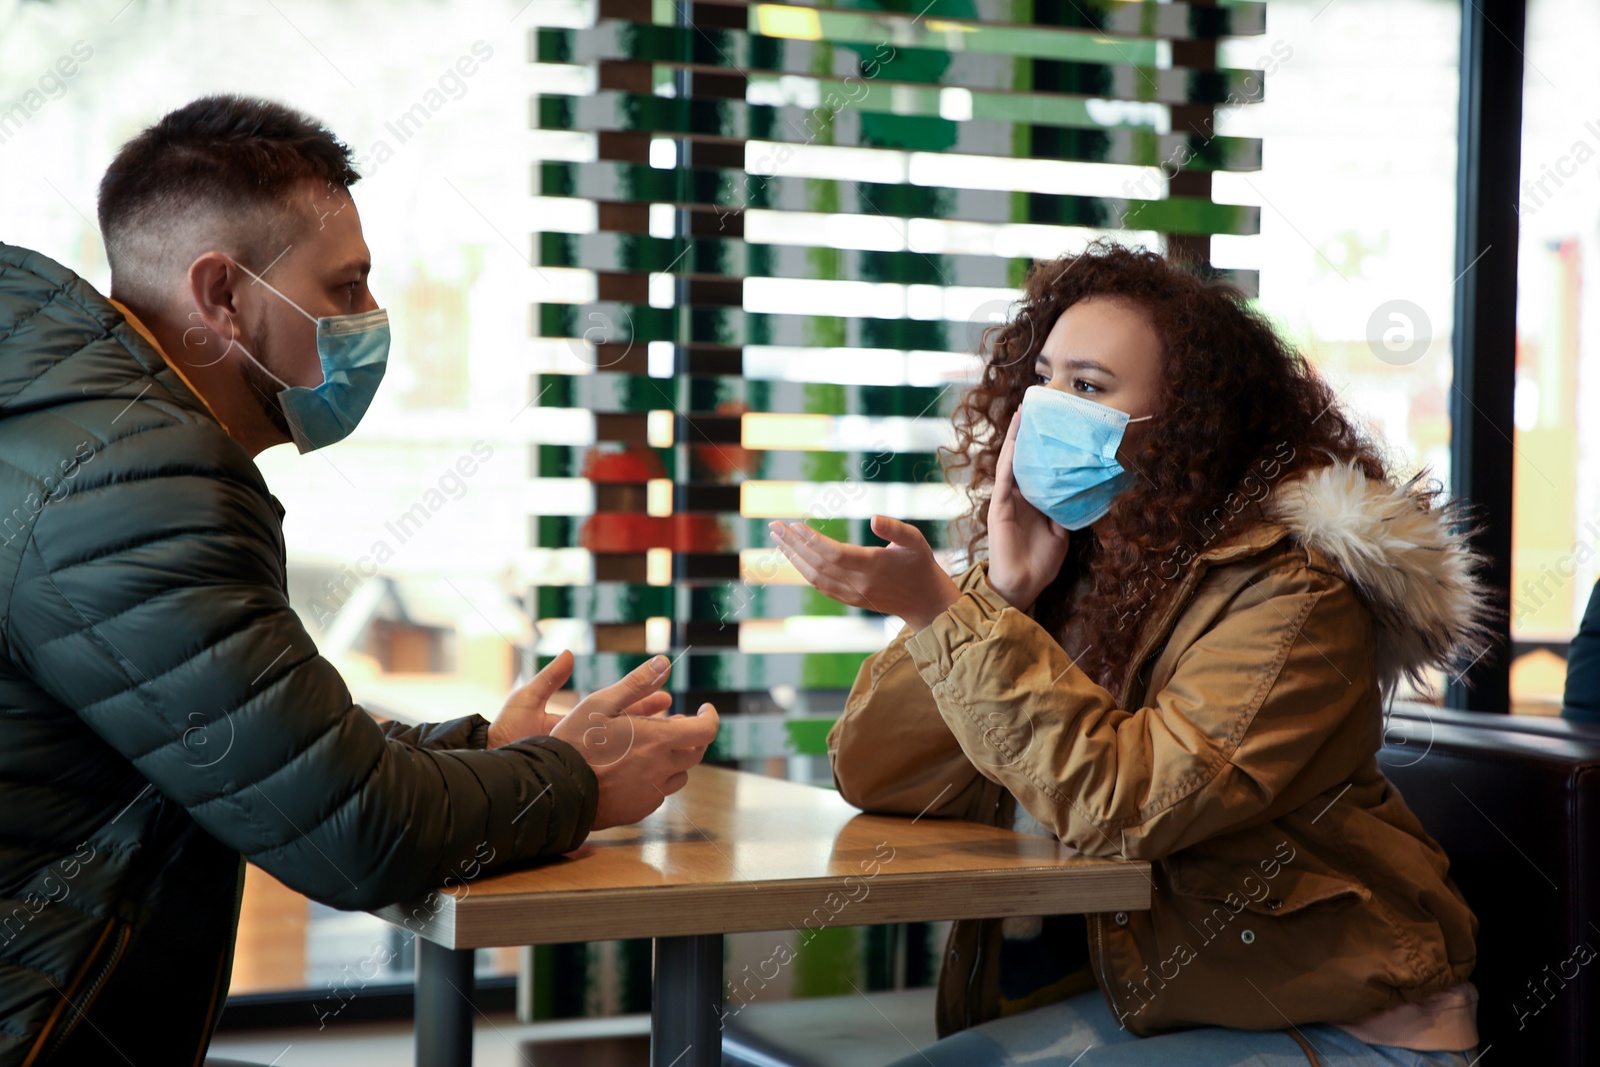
(1556, 522)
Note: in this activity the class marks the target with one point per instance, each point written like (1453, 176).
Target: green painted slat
(709, 116)
(840, 672)
(1099, 67)
(809, 737)
(738, 262)
(911, 24)
(1175, 214)
(1131, 146)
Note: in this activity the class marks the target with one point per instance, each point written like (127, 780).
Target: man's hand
(524, 714)
(1026, 546)
(638, 756)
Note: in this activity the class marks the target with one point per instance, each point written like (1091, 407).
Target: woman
(1199, 586)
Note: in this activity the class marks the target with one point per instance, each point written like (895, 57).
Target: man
(163, 714)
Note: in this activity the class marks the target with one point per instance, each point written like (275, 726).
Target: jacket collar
(150, 339)
(1410, 561)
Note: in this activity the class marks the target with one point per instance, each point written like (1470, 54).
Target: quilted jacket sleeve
(148, 600)
(470, 731)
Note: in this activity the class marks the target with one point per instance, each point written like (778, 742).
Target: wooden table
(730, 852)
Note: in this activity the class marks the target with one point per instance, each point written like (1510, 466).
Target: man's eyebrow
(356, 266)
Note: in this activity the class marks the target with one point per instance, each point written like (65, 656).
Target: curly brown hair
(1237, 402)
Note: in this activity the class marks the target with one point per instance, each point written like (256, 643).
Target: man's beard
(263, 386)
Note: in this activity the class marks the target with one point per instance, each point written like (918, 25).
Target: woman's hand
(902, 578)
(1026, 546)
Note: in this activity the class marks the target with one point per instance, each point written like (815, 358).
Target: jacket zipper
(86, 997)
(1163, 630)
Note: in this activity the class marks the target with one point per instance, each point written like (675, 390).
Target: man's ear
(215, 282)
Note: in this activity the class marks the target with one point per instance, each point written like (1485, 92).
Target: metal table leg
(686, 1013)
(443, 1005)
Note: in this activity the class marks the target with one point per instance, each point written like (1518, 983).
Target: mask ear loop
(261, 365)
(233, 338)
(268, 370)
(1141, 418)
(287, 414)
(276, 291)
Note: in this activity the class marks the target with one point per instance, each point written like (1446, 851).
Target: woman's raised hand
(1026, 546)
(903, 578)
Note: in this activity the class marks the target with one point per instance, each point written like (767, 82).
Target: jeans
(1080, 1032)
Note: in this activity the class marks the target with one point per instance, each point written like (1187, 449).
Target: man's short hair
(218, 173)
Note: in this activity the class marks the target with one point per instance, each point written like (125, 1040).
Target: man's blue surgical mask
(1065, 458)
(354, 350)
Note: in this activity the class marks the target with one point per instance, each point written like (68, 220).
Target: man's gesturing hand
(638, 756)
(524, 714)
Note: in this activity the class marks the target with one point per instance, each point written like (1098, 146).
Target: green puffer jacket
(164, 715)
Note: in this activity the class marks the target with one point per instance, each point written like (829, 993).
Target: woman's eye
(1084, 386)
(1041, 379)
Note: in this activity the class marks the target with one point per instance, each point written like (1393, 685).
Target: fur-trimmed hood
(1409, 560)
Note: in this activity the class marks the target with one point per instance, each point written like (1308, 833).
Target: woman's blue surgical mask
(1065, 457)
(354, 350)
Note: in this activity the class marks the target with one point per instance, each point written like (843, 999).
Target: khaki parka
(1290, 882)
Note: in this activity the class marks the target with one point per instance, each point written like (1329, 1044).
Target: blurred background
(652, 284)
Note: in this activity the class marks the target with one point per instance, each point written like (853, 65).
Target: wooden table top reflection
(734, 851)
